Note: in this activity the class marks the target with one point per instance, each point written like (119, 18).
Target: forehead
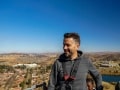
(69, 40)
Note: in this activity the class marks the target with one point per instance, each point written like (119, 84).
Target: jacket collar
(64, 58)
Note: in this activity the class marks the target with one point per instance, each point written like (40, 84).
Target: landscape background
(31, 38)
(19, 71)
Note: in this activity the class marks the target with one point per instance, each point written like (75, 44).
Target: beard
(67, 54)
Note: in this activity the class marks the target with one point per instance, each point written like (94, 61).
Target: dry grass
(108, 86)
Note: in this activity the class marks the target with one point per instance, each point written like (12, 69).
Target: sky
(36, 26)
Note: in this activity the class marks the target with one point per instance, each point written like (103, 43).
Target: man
(90, 84)
(69, 71)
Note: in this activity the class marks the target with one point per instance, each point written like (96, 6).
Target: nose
(64, 47)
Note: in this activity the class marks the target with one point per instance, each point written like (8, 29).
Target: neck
(74, 56)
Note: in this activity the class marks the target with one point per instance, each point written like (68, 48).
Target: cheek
(75, 48)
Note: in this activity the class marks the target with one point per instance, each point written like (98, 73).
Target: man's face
(70, 46)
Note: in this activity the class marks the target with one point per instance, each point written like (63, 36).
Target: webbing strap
(73, 71)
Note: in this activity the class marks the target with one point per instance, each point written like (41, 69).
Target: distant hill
(102, 56)
(14, 58)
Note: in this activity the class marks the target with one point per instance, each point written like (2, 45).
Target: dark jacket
(85, 66)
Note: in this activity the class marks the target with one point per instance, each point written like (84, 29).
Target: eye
(66, 45)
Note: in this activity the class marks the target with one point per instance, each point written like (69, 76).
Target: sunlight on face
(70, 46)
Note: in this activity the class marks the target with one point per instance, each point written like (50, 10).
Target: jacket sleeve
(53, 77)
(96, 76)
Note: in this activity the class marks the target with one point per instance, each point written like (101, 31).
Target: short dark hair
(75, 36)
(90, 80)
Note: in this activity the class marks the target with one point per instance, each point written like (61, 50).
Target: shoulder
(85, 59)
(59, 60)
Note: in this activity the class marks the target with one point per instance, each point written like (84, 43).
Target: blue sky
(38, 25)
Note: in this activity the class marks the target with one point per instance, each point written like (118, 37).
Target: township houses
(27, 65)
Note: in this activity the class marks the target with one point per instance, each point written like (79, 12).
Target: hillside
(21, 77)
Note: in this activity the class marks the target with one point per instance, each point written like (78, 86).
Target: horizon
(39, 26)
(53, 52)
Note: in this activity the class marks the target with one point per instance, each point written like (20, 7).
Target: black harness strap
(73, 71)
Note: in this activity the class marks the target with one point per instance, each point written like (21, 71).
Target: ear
(78, 45)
